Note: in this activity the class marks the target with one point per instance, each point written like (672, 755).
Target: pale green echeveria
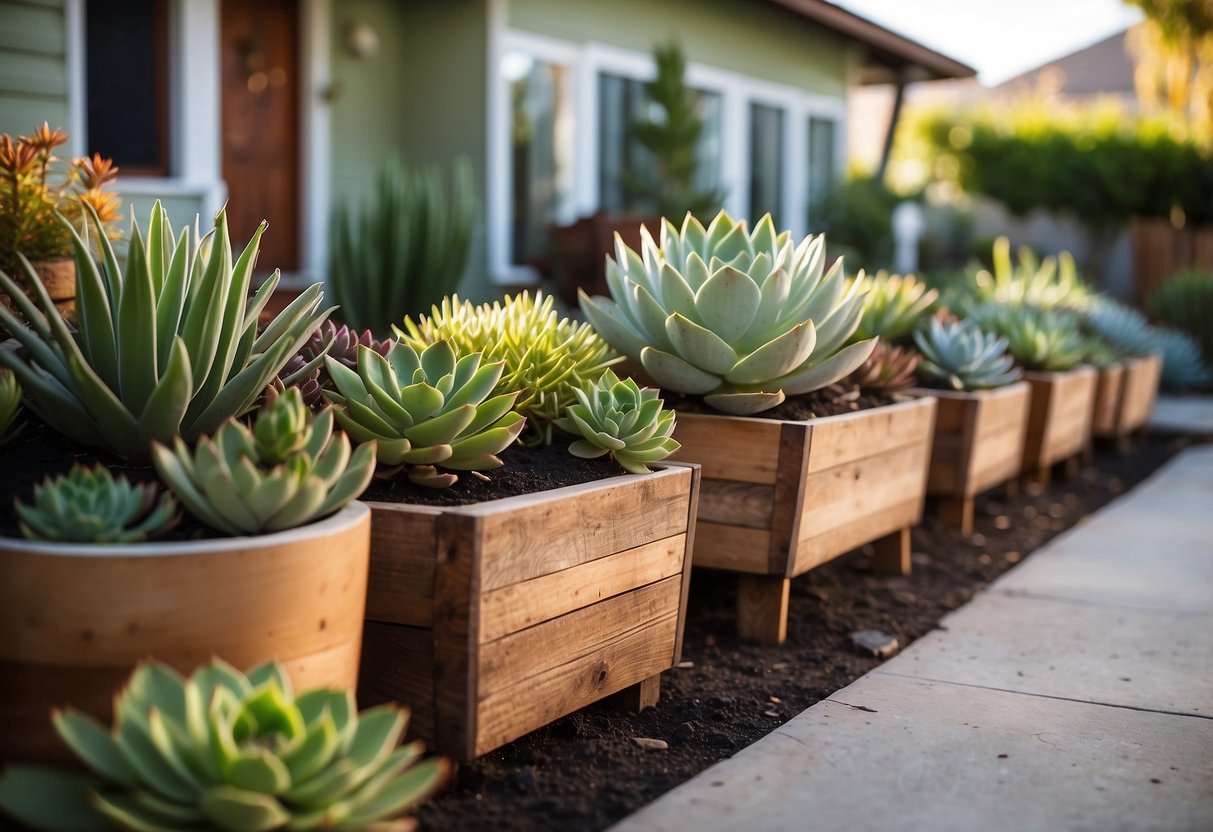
(228, 751)
(1047, 341)
(430, 414)
(10, 404)
(290, 469)
(90, 505)
(744, 319)
(623, 420)
(893, 306)
(168, 344)
(963, 356)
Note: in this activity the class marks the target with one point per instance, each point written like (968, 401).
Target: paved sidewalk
(1183, 414)
(1075, 693)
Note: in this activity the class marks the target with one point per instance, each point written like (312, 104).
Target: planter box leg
(891, 554)
(643, 694)
(762, 608)
(1088, 453)
(1011, 491)
(957, 512)
(1071, 466)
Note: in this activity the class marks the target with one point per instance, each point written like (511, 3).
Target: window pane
(710, 150)
(766, 161)
(620, 102)
(822, 167)
(126, 43)
(541, 152)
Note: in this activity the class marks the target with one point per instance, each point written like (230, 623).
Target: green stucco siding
(33, 66)
(751, 37)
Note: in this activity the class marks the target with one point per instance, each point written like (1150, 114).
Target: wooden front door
(260, 60)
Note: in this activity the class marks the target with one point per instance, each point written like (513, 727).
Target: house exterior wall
(33, 66)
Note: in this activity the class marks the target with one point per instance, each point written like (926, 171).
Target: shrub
(1185, 302)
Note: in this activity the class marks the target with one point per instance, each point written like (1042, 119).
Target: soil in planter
(829, 401)
(584, 772)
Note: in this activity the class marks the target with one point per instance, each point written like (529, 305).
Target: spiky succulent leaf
(88, 505)
(10, 404)
(1044, 284)
(623, 420)
(893, 306)
(1183, 366)
(742, 318)
(230, 751)
(962, 356)
(1038, 340)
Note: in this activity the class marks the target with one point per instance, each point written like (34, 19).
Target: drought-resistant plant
(340, 342)
(167, 346)
(1051, 283)
(623, 420)
(88, 505)
(229, 751)
(289, 469)
(426, 412)
(889, 369)
(1185, 302)
(1098, 353)
(893, 306)
(1183, 367)
(1046, 341)
(1120, 326)
(546, 357)
(10, 404)
(406, 248)
(745, 319)
(963, 356)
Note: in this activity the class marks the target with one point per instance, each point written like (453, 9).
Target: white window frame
(585, 61)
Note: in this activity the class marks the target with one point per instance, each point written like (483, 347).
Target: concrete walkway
(1183, 414)
(1075, 693)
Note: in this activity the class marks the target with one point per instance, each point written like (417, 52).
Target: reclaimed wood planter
(781, 497)
(494, 619)
(1125, 397)
(1109, 385)
(979, 439)
(1059, 421)
(74, 619)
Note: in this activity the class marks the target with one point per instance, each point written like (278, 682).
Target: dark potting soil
(829, 401)
(584, 772)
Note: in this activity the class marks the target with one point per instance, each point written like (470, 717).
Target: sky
(999, 38)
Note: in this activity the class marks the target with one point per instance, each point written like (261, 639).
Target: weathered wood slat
(1059, 422)
(1140, 393)
(838, 440)
(398, 666)
(736, 503)
(401, 588)
(736, 548)
(735, 448)
(819, 548)
(861, 490)
(1108, 391)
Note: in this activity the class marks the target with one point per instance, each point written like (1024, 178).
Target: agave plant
(88, 505)
(426, 412)
(623, 420)
(10, 404)
(1185, 302)
(166, 346)
(288, 470)
(745, 319)
(229, 751)
(889, 370)
(546, 357)
(963, 356)
(1120, 326)
(893, 306)
(1051, 283)
(1183, 366)
(1038, 340)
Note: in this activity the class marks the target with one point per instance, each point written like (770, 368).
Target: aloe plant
(889, 369)
(1051, 283)
(893, 306)
(430, 414)
(229, 751)
(963, 356)
(744, 319)
(88, 505)
(289, 469)
(546, 357)
(167, 346)
(1120, 326)
(10, 404)
(622, 420)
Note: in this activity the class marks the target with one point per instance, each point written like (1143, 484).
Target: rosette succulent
(889, 369)
(10, 404)
(289, 469)
(893, 306)
(88, 505)
(228, 751)
(1038, 340)
(1121, 326)
(1051, 283)
(168, 345)
(342, 343)
(744, 319)
(426, 412)
(623, 420)
(546, 357)
(963, 356)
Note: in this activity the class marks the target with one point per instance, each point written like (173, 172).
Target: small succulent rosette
(620, 419)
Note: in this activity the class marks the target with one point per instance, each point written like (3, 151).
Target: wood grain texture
(735, 548)
(688, 556)
(457, 587)
(891, 553)
(795, 443)
(820, 548)
(730, 447)
(644, 694)
(398, 666)
(762, 608)
(978, 439)
(838, 440)
(401, 585)
(1059, 421)
(736, 503)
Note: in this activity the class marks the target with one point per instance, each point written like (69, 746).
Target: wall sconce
(361, 41)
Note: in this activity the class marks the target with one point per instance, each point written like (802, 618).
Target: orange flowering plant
(35, 184)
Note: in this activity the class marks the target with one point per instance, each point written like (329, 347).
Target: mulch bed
(585, 772)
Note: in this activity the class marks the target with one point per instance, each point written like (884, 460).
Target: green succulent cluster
(166, 347)
(889, 369)
(228, 751)
(1183, 366)
(1122, 327)
(88, 505)
(10, 404)
(963, 356)
(893, 306)
(1038, 340)
(623, 420)
(1051, 283)
(744, 319)
(288, 470)
(546, 357)
(1185, 302)
(427, 412)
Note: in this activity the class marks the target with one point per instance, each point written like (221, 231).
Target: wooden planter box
(1109, 385)
(1059, 422)
(494, 619)
(74, 619)
(979, 439)
(780, 497)
(1125, 403)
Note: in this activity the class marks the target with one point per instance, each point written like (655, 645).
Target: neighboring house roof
(890, 56)
(1103, 68)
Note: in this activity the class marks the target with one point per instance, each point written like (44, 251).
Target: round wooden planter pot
(74, 619)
